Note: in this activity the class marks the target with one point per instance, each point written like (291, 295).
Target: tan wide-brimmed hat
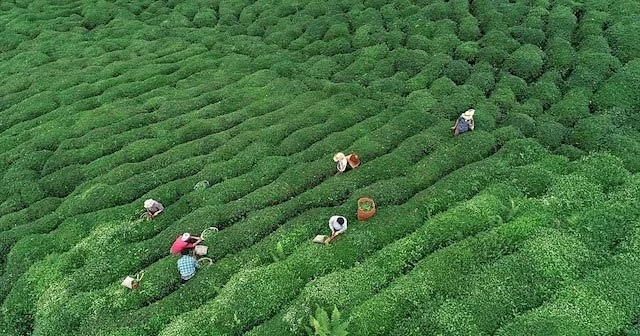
(339, 156)
(148, 203)
(186, 236)
(468, 114)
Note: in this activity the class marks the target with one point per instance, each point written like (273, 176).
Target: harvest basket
(366, 208)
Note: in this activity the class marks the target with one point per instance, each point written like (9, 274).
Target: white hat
(468, 114)
(186, 236)
(338, 157)
(149, 203)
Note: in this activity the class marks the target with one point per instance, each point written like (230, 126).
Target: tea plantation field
(528, 225)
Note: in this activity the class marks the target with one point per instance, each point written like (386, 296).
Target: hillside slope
(526, 226)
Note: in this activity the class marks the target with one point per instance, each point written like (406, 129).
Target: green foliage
(545, 90)
(278, 254)
(458, 71)
(573, 107)
(63, 181)
(560, 54)
(483, 80)
(574, 192)
(506, 134)
(497, 231)
(522, 122)
(603, 167)
(603, 302)
(322, 325)
(625, 39)
(571, 152)
(561, 22)
(526, 62)
(98, 13)
(592, 69)
(620, 90)
(551, 134)
(593, 133)
(521, 151)
(468, 51)
(516, 84)
(468, 29)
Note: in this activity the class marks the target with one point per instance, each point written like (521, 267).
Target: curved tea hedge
(527, 225)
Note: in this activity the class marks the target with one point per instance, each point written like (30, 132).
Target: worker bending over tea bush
(185, 242)
(187, 266)
(153, 207)
(338, 225)
(464, 123)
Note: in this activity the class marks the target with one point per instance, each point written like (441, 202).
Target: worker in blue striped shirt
(187, 265)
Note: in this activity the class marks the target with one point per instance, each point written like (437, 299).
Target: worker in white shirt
(338, 225)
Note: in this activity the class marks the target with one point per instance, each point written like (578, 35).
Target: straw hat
(338, 157)
(186, 236)
(149, 203)
(468, 114)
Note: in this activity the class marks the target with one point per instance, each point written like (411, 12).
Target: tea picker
(152, 208)
(133, 282)
(184, 242)
(464, 123)
(338, 225)
(187, 266)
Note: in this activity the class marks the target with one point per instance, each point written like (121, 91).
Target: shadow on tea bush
(63, 181)
(522, 122)
(506, 134)
(571, 152)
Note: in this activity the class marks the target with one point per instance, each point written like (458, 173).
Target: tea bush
(546, 90)
(379, 314)
(592, 69)
(573, 107)
(551, 134)
(574, 192)
(593, 133)
(603, 167)
(560, 54)
(623, 37)
(619, 90)
(526, 62)
(513, 285)
(603, 302)
(458, 71)
(571, 152)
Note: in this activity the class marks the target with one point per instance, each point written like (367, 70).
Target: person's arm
(344, 228)
(155, 209)
(196, 263)
(455, 125)
(471, 124)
